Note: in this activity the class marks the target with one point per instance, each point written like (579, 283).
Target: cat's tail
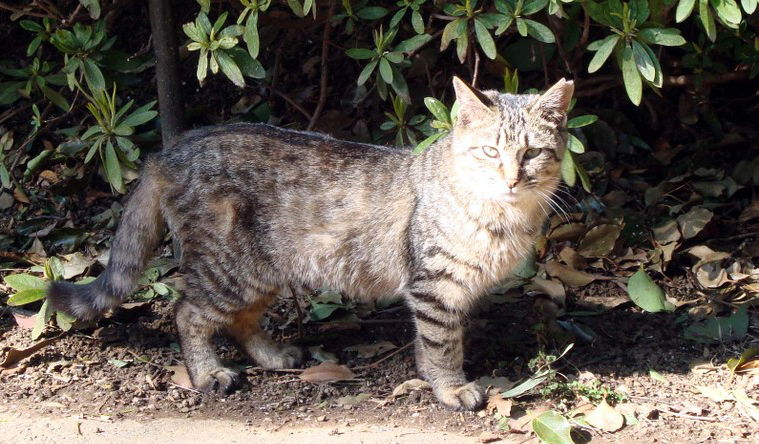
(140, 230)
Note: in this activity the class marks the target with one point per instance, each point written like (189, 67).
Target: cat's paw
(285, 357)
(221, 380)
(464, 397)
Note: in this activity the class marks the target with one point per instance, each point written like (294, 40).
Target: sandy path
(189, 431)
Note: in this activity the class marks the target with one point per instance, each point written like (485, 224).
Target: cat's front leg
(440, 350)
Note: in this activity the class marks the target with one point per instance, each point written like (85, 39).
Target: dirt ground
(80, 388)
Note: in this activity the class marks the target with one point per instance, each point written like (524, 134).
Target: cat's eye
(490, 151)
(532, 152)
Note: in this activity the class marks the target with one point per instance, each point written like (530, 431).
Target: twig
(325, 59)
(102, 404)
(289, 100)
(376, 363)
(278, 59)
(298, 311)
(21, 11)
(585, 26)
(12, 112)
(476, 67)
(275, 370)
(693, 417)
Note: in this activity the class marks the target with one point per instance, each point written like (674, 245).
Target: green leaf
(521, 27)
(552, 428)
(426, 143)
(684, 9)
(367, 71)
(360, 53)
(93, 6)
(604, 51)
(749, 6)
(31, 26)
(662, 36)
(205, 6)
(659, 77)
(397, 17)
(202, 65)
(27, 296)
(21, 282)
(118, 363)
(631, 76)
(64, 320)
(525, 386)
(707, 19)
(399, 85)
(248, 65)
(112, 168)
(438, 109)
(251, 35)
(230, 69)
(643, 62)
(646, 294)
(412, 44)
(385, 71)
(539, 31)
(93, 76)
(485, 39)
(656, 376)
(394, 57)
(140, 115)
(575, 145)
(41, 320)
(718, 330)
(639, 11)
(532, 6)
(728, 11)
(372, 13)
(451, 31)
(193, 32)
(568, 169)
(462, 45)
(580, 121)
(417, 22)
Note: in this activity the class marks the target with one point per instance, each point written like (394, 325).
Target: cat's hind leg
(246, 330)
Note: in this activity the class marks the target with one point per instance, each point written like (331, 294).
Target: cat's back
(257, 145)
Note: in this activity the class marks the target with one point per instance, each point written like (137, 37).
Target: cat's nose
(511, 183)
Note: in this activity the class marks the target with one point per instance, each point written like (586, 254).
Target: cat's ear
(473, 104)
(553, 104)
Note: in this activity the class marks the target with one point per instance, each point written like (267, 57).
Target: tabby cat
(258, 209)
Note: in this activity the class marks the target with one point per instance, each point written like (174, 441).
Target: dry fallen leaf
(366, 351)
(497, 403)
(487, 437)
(15, 355)
(599, 240)
(411, 385)
(605, 417)
(571, 258)
(180, 376)
(571, 277)
(522, 421)
(327, 372)
(571, 231)
(692, 222)
(25, 320)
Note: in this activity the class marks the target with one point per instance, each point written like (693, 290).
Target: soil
(76, 388)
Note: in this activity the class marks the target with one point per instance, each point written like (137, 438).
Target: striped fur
(259, 209)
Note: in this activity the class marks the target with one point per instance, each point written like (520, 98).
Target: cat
(257, 209)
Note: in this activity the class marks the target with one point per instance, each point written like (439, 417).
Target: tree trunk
(167, 70)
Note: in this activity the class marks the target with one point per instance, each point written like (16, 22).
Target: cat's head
(508, 147)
